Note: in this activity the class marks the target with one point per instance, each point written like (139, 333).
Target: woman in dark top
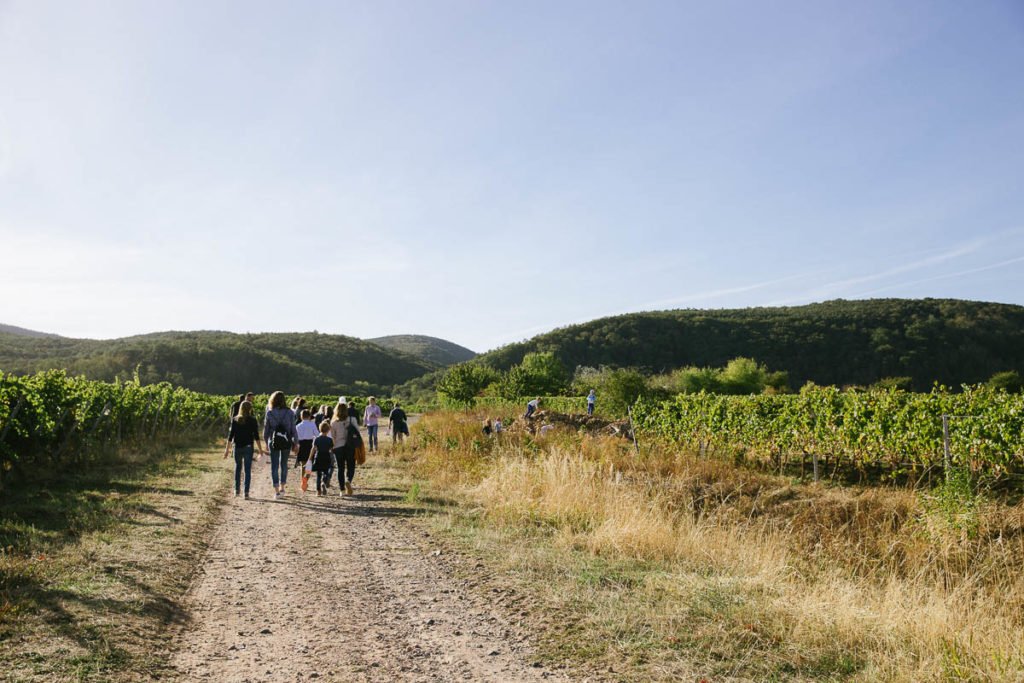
(245, 431)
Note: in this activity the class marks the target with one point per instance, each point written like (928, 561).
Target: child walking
(307, 431)
(323, 458)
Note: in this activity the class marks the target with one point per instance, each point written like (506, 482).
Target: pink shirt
(371, 414)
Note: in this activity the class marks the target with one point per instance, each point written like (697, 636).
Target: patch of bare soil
(590, 424)
(345, 589)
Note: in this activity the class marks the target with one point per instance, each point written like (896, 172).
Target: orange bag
(360, 453)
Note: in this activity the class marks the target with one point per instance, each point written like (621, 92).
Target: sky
(487, 171)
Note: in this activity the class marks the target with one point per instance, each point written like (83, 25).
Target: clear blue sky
(484, 171)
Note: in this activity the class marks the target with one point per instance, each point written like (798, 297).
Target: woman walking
(245, 431)
(342, 425)
(279, 433)
(371, 416)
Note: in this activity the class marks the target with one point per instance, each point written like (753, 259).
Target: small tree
(463, 382)
(744, 376)
(540, 374)
(1010, 381)
(622, 388)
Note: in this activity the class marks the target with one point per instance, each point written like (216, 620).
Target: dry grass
(94, 565)
(681, 566)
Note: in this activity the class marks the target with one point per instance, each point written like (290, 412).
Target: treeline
(222, 362)
(837, 343)
(543, 374)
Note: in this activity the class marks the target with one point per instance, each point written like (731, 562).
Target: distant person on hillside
(398, 423)
(497, 425)
(279, 433)
(371, 416)
(591, 400)
(245, 431)
(344, 447)
(487, 427)
(532, 406)
(324, 460)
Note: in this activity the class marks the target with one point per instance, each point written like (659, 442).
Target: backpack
(279, 439)
(354, 437)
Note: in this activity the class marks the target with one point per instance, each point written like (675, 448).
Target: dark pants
(346, 464)
(305, 447)
(590, 409)
(243, 458)
(322, 480)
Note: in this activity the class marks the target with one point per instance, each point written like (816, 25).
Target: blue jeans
(371, 437)
(243, 457)
(279, 467)
(590, 409)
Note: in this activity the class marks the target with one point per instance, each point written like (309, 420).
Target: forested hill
(435, 350)
(222, 362)
(835, 342)
(21, 331)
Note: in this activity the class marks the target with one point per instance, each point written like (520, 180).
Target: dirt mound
(589, 424)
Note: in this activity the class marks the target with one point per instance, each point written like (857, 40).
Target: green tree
(744, 376)
(622, 388)
(1010, 381)
(463, 382)
(540, 374)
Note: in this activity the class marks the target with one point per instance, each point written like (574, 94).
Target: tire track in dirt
(346, 589)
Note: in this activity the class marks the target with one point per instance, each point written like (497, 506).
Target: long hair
(277, 400)
(244, 411)
(340, 413)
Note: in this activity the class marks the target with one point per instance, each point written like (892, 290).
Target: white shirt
(307, 430)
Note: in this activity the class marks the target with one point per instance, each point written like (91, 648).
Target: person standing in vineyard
(371, 416)
(591, 400)
(279, 433)
(245, 431)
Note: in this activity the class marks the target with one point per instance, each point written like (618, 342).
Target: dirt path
(345, 589)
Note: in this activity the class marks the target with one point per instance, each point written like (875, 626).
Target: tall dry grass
(862, 583)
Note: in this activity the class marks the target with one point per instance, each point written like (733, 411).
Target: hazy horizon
(482, 172)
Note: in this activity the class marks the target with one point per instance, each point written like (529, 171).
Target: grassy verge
(669, 567)
(93, 564)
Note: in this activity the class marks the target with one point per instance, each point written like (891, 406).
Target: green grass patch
(94, 563)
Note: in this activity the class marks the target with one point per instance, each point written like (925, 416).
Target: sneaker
(277, 495)
(247, 496)
(236, 494)
(348, 488)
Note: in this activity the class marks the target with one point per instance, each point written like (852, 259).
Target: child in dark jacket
(324, 460)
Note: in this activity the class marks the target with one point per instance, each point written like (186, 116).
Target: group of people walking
(323, 442)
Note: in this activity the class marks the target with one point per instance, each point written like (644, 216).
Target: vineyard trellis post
(632, 429)
(947, 456)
